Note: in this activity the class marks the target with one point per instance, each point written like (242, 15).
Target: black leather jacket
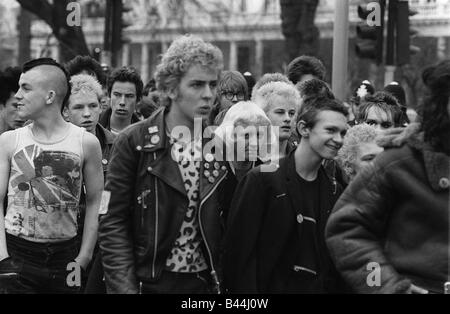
(147, 206)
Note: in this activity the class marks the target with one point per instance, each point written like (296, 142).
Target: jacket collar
(155, 140)
(437, 165)
(104, 136)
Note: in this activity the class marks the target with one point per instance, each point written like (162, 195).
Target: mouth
(122, 112)
(334, 147)
(286, 128)
(204, 110)
(87, 123)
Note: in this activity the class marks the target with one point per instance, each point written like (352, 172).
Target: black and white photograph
(227, 155)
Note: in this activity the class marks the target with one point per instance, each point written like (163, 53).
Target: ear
(302, 129)
(50, 97)
(65, 113)
(173, 94)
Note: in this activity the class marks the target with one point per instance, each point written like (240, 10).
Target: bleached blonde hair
(245, 113)
(85, 83)
(265, 95)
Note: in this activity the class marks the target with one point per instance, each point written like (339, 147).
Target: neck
(119, 124)
(175, 118)
(50, 125)
(283, 148)
(307, 162)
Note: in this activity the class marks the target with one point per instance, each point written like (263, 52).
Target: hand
(416, 290)
(83, 261)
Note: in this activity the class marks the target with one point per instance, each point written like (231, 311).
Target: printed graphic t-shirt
(44, 186)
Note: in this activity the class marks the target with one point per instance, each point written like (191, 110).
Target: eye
(372, 122)
(291, 113)
(368, 157)
(213, 84)
(386, 125)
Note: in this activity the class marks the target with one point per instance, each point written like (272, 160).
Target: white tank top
(44, 186)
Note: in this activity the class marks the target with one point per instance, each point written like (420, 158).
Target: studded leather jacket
(147, 205)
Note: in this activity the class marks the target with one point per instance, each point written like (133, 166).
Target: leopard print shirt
(186, 255)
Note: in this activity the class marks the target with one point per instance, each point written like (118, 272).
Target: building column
(259, 58)
(125, 54)
(164, 46)
(144, 62)
(233, 56)
(441, 47)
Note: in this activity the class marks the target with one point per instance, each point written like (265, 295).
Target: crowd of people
(206, 181)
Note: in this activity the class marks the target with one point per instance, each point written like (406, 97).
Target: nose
(287, 117)
(122, 100)
(208, 92)
(86, 112)
(338, 138)
(18, 95)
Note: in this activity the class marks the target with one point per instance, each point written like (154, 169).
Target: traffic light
(404, 33)
(369, 32)
(114, 29)
(119, 24)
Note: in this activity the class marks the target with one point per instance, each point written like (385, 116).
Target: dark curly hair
(88, 64)
(9, 83)
(305, 65)
(314, 88)
(434, 108)
(126, 74)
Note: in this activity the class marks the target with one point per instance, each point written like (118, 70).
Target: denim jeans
(179, 283)
(40, 267)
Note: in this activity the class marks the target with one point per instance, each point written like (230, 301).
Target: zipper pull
(216, 281)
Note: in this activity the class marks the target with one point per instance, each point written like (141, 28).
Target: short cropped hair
(9, 83)
(88, 64)
(314, 88)
(309, 111)
(126, 74)
(384, 101)
(183, 53)
(304, 65)
(267, 78)
(265, 95)
(232, 80)
(357, 135)
(85, 83)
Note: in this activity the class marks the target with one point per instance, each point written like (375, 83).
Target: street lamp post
(340, 49)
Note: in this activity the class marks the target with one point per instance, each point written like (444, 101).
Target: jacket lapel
(156, 142)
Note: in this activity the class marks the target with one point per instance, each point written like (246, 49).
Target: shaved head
(52, 79)
(50, 76)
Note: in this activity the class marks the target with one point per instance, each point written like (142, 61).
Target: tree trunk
(71, 38)
(297, 21)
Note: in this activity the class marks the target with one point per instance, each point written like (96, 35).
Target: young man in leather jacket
(162, 225)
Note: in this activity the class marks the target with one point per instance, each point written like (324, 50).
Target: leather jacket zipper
(213, 271)
(156, 225)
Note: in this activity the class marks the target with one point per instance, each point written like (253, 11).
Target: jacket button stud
(206, 166)
(216, 173)
(300, 218)
(104, 161)
(209, 157)
(211, 180)
(444, 183)
(149, 169)
(139, 148)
